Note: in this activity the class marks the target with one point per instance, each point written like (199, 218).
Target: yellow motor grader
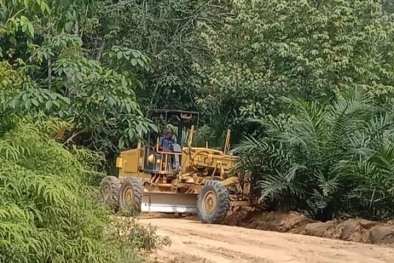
(185, 179)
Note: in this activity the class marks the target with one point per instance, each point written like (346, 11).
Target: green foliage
(166, 32)
(48, 212)
(328, 159)
(99, 65)
(10, 83)
(17, 15)
(136, 237)
(56, 75)
(388, 6)
(266, 50)
(98, 99)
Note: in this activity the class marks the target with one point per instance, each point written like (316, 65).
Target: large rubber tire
(213, 203)
(109, 192)
(130, 195)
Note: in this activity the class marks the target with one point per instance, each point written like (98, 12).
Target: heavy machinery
(187, 179)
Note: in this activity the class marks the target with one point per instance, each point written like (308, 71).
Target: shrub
(48, 212)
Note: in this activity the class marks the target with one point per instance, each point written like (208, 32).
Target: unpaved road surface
(193, 242)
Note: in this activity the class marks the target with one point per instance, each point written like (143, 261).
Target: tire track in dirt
(193, 242)
(233, 255)
(311, 244)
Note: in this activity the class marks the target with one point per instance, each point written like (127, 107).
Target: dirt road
(193, 242)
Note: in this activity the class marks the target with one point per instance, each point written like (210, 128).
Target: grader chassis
(186, 180)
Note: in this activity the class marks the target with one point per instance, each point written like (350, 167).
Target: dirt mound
(275, 221)
(357, 230)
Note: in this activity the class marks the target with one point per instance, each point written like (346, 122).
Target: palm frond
(338, 157)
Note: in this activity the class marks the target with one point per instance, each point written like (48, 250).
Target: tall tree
(43, 41)
(309, 49)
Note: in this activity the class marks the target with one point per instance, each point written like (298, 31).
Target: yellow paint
(199, 164)
(129, 161)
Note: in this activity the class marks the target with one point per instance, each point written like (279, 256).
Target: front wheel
(109, 192)
(130, 195)
(213, 202)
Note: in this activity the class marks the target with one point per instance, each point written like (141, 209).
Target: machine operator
(167, 142)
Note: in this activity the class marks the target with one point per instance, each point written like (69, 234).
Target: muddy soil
(193, 242)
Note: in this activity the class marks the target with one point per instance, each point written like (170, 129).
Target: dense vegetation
(329, 159)
(306, 87)
(48, 212)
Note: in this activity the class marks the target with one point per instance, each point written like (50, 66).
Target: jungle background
(306, 86)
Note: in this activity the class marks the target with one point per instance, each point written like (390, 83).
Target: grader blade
(169, 202)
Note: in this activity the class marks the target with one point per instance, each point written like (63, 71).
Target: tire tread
(114, 185)
(223, 203)
(138, 191)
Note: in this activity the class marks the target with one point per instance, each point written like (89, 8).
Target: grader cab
(182, 178)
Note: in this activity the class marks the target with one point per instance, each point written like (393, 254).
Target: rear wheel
(130, 196)
(213, 202)
(109, 192)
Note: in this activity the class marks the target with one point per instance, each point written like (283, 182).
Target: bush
(48, 212)
(330, 160)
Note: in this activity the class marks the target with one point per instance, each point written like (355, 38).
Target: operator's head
(170, 134)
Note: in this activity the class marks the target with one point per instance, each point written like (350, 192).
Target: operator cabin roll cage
(158, 161)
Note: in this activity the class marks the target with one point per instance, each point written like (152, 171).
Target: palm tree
(327, 160)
